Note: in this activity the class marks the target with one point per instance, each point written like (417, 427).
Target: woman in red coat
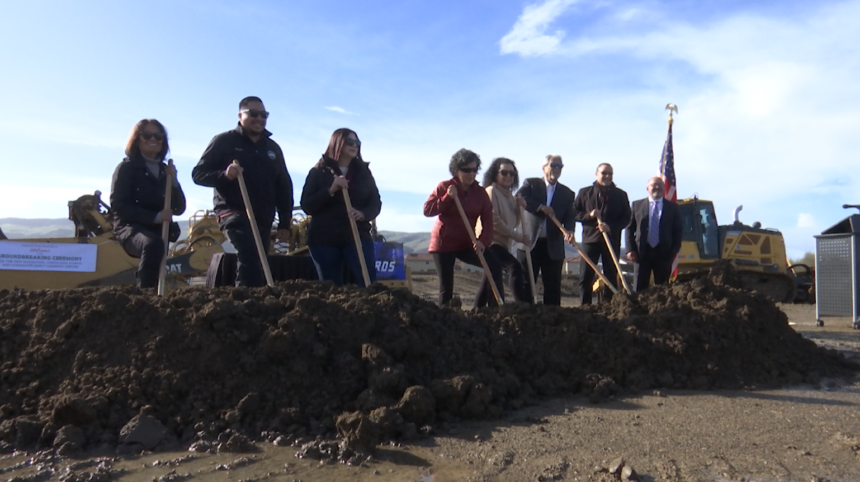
(449, 239)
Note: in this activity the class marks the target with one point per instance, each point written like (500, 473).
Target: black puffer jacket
(329, 224)
(137, 196)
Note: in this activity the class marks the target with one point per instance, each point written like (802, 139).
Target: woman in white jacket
(500, 180)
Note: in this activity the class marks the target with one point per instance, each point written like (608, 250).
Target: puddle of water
(389, 464)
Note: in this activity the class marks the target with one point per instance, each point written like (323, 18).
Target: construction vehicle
(188, 258)
(757, 253)
(93, 222)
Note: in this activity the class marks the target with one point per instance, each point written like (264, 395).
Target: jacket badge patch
(272, 155)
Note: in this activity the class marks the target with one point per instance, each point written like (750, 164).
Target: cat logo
(173, 268)
(272, 155)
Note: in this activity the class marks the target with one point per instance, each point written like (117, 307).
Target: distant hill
(18, 228)
(419, 242)
(412, 242)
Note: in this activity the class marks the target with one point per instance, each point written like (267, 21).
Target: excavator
(93, 222)
(187, 259)
(757, 253)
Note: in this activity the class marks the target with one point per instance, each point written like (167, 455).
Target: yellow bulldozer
(33, 263)
(41, 263)
(757, 253)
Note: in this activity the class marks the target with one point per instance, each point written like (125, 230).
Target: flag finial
(671, 108)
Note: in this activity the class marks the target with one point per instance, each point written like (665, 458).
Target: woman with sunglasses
(330, 240)
(137, 199)
(500, 180)
(450, 240)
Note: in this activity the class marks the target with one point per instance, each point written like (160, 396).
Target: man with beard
(545, 197)
(601, 208)
(262, 165)
(654, 235)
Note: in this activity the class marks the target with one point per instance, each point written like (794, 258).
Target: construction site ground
(696, 382)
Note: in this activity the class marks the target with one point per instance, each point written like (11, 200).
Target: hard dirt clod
(310, 359)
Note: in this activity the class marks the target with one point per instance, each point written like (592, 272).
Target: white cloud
(339, 110)
(805, 220)
(766, 104)
(529, 37)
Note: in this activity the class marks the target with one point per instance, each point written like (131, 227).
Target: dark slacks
(596, 252)
(149, 247)
(237, 228)
(445, 270)
(512, 270)
(330, 261)
(550, 271)
(651, 261)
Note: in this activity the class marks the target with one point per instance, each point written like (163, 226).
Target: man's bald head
(655, 187)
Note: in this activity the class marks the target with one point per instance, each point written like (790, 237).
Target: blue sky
(768, 94)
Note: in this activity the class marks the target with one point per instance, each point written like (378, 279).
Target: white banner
(21, 255)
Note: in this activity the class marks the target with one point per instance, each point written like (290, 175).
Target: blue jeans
(330, 260)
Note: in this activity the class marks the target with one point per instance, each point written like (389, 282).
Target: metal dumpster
(837, 271)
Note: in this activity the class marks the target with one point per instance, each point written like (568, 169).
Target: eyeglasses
(556, 164)
(350, 142)
(506, 172)
(149, 135)
(256, 113)
(469, 170)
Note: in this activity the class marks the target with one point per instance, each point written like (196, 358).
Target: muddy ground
(120, 370)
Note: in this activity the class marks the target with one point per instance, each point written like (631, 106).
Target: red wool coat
(449, 233)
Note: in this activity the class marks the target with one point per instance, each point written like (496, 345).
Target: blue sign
(389, 261)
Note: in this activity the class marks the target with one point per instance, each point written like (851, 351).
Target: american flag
(667, 172)
(667, 168)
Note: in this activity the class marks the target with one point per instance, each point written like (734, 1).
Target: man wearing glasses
(546, 198)
(601, 208)
(270, 187)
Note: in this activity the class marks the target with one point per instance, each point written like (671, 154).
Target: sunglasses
(506, 172)
(256, 113)
(149, 135)
(351, 142)
(556, 164)
(469, 170)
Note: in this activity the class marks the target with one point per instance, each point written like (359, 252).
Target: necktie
(654, 226)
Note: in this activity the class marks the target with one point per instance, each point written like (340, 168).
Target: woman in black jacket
(330, 237)
(137, 199)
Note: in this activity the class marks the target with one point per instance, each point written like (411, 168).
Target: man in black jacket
(264, 169)
(546, 197)
(603, 201)
(654, 235)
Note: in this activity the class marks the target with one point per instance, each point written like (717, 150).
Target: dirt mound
(102, 367)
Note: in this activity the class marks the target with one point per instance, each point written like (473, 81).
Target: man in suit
(545, 197)
(653, 235)
(604, 201)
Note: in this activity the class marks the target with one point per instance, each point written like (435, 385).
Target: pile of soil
(310, 359)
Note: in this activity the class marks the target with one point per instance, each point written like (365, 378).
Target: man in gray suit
(653, 235)
(546, 197)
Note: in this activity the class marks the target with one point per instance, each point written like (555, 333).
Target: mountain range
(20, 228)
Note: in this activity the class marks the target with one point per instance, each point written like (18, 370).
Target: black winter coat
(614, 210)
(329, 224)
(264, 170)
(137, 196)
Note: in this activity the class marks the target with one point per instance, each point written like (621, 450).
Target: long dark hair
(493, 172)
(338, 139)
(132, 147)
